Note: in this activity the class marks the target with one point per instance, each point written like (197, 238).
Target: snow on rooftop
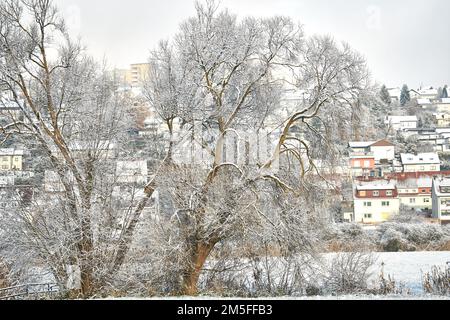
(361, 144)
(422, 158)
(11, 152)
(423, 101)
(376, 185)
(398, 119)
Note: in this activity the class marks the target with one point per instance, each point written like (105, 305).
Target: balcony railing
(361, 154)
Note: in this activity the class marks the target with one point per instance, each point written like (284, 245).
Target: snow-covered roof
(422, 158)
(135, 167)
(428, 92)
(361, 144)
(399, 119)
(423, 182)
(423, 101)
(445, 100)
(441, 182)
(11, 152)
(376, 185)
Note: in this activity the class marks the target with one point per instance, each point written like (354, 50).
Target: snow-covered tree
(225, 75)
(385, 95)
(72, 113)
(405, 96)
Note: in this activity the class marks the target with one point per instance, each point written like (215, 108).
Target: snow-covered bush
(392, 240)
(437, 281)
(349, 273)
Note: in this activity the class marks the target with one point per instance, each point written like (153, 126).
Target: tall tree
(445, 92)
(385, 95)
(227, 73)
(405, 96)
(71, 110)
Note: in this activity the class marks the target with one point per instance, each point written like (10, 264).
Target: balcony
(361, 154)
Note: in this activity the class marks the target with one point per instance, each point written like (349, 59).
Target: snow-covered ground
(405, 268)
(408, 267)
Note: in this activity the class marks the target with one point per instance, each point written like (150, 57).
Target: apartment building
(11, 159)
(441, 199)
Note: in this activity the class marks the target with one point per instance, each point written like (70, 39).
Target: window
(433, 168)
(423, 191)
(426, 200)
(367, 204)
(376, 193)
(5, 167)
(389, 193)
(422, 168)
(362, 193)
(366, 164)
(368, 216)
(412, 200)
(385, 204)
(357, 164)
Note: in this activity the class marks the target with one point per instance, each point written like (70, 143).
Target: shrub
(349, 273)
(437, 281)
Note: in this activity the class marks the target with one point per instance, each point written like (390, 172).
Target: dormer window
(389, 193)
(376, 193)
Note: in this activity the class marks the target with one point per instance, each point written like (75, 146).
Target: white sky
(405, 41)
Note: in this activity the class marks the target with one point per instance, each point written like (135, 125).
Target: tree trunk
(199, 256)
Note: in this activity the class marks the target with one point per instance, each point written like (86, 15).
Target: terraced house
(11, 159)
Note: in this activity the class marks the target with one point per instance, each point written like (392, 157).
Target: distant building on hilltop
(134, 76)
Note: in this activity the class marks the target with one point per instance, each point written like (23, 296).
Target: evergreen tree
(445, 92)
(405, 96)
(385, 96)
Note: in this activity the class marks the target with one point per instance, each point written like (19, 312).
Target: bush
(349, 273)
(437, 281)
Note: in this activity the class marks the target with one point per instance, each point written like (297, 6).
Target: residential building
(134, 76)
(399, 123)
(362, 164)
(443, 105)
(442, 120)
(383, 151)
(132, 172)
(375, 201)
(415, 193)
(441, 199)
(11, 159)
(104, 149)
(421, 163)
(370, 158)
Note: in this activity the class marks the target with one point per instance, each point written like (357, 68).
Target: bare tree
(70, 109)
(228, 74)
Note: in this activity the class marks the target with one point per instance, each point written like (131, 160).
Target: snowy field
(405, 268)
(408, 267)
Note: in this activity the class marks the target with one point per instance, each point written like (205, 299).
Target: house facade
(415, 193)
(398, 123)
(441, 199)
(375, 202)
(11, 160)
(423, 162)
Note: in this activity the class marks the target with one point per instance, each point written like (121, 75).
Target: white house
(398, 123)
(383, 150)
(441, 199)
(415, 192)
(132, 172)
(375, 202)
(423, 162)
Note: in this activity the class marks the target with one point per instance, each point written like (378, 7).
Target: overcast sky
(405, 41)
